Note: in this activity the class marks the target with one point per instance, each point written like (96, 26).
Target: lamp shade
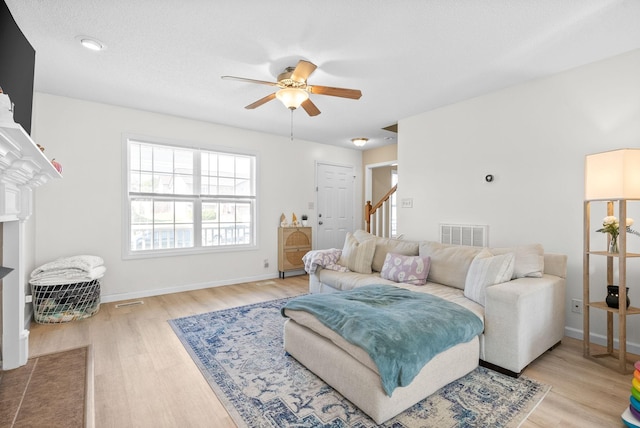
(612, 175)
(292, 97)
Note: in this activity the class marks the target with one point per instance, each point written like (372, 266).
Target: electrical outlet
(576, 306)
(266, 263)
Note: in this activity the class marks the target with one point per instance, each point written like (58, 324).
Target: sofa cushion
(449, 263)
(385, 246)
(407, 269)
(487, 270)
(529, 260)
(341, 281)
(357, 256)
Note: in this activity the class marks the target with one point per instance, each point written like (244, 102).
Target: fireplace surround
(23, 167)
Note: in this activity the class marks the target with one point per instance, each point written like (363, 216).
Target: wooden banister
(370, 210)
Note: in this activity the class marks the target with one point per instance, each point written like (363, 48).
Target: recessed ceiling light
(91, 43)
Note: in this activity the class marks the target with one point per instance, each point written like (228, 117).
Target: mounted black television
(17, 63)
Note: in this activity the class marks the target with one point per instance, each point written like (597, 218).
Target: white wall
(82, 213)
(533, 138)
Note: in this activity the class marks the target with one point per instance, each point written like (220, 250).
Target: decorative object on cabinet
(56, 165)
(294, 220)
(304, 219)
(611, 177)
(283, 221)
(293, 243)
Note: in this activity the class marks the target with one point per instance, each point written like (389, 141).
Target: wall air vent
(465, 234)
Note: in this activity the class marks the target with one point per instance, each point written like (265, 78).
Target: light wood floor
(145, 378)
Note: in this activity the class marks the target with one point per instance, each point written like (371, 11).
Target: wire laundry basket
(65, 302)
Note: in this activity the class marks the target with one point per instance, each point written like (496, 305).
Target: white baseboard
(177, 289)
(600, 339)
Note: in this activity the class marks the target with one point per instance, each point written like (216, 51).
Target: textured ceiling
(407, 57)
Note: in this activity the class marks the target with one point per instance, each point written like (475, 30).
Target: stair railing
(380, 225)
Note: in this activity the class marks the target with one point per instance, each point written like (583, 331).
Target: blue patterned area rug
(240, 353)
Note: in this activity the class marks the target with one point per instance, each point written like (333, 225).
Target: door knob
(320, 223)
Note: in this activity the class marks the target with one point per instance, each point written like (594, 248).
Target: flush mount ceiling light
(91, 43)
(360, 141)
(292, 97)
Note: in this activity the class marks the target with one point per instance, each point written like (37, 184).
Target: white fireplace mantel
(23, 167)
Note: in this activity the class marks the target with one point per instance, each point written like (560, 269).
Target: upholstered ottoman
(351, 372)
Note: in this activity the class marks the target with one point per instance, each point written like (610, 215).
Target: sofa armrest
(523, 319)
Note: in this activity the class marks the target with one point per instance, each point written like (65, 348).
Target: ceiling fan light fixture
(360, 141)
(292, 97)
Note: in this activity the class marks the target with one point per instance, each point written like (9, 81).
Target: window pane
(184, 212)
(141, 211)
(226, 165)
(146, 158)
(146, 182)
(243, 167)
(209, 212)
(184, 236)
(227, 212)
(162, 183)
(134, 181)
(163, 212)
(184, 184)
(162, 159)
(184, 162)
(243, 212)
(243, 187)
(163, 236)
(227, 186)
(134, 157)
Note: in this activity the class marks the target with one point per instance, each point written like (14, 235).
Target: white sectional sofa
(523, 317)
(518, 293)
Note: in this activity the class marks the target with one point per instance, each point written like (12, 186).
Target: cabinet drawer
(292, 258)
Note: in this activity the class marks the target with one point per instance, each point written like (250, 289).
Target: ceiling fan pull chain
(291, 124)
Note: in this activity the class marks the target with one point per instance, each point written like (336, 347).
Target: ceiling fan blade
(303, 70)
(310, 107)
(261, 101)
(354, 94)
(243, 79)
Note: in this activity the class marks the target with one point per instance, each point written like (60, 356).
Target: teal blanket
(401, 330)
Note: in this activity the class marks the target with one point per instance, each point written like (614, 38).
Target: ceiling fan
(294, 90)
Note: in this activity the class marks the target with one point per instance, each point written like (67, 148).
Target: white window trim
(126, 252)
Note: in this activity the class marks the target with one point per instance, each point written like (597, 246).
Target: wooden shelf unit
(293, 244)
(624, 364)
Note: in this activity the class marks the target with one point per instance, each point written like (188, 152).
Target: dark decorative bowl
(612, 296)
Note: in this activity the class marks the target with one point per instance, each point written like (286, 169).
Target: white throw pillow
(487, 270)
(529, 260)
(357, 256)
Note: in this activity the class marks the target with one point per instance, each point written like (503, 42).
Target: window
(183, 199)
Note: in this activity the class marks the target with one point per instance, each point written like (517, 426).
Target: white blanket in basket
(69, 270)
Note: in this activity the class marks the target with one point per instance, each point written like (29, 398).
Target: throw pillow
(529, 260)
(357, 256)
(407, 269)
(487, 270)
(449, 263)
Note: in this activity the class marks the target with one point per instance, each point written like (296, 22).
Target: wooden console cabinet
(293, 243)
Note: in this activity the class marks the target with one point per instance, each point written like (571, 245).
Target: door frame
(368, 178)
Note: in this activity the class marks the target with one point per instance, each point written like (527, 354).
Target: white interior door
(335, 204)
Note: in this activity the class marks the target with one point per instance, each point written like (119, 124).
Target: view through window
(184, 198)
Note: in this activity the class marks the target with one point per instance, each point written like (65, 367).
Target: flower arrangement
(611, 225)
